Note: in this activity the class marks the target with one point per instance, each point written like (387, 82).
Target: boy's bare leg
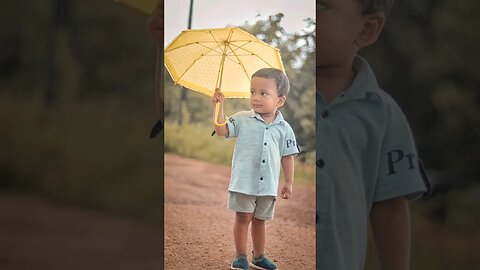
(240, 232)
(258, 237)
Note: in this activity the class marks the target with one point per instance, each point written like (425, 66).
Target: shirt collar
(364, 82)
(278, 119)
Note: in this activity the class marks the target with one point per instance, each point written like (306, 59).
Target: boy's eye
(264, 93)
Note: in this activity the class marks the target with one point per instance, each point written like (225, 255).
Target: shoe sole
(259, 268)
(235, 268)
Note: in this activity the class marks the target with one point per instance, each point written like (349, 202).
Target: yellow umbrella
(224, 58)
(146, 6)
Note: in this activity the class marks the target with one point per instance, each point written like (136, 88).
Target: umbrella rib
(180, 77)
(167, 50)
(198, 58)
(240, 62)
(211, 49)
(253, 54)
(239, 47)
(222, 62)
(220, 69)
(218, 44)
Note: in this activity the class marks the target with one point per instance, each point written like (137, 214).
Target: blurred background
(81, 185)
(428, 59)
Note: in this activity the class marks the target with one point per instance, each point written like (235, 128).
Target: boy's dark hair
(372, 6)
(283, 85)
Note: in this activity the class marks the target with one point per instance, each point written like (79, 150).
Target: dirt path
(198, 227)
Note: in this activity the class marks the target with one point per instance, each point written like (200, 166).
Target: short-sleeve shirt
(258, 151)
(365, 153)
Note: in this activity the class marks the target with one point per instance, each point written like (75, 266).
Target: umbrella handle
(217, 111)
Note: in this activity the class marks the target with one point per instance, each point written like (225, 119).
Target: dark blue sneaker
(262, 263)
(240, 263)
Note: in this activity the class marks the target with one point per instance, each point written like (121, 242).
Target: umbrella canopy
(146, 6)
(225, 58)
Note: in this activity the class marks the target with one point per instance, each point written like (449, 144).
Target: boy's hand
(286, 191)
(218, 97)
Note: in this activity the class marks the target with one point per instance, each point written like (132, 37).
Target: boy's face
(264, 97)
(339, 24)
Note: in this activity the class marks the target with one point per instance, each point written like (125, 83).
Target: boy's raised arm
(390, 220)
(221, 130)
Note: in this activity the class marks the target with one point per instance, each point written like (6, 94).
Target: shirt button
(267, 127)
(264, 143)
(261, 178)
(263, 161)
(325, 114)
(320, 163)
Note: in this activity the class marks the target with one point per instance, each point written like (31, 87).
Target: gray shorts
(262, 207)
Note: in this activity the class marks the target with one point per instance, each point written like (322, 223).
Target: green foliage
(195, 141)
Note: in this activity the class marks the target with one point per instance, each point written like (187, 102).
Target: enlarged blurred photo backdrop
(200, 231)
(80, 181)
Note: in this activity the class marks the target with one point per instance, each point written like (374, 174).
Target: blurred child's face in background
(264, 97)
(339, 23)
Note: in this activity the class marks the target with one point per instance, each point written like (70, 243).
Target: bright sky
(222, 13)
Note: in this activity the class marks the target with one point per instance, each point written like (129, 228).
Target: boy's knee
(244, 217)
(257, 220)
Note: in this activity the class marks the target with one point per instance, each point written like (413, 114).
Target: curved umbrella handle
(217, 111)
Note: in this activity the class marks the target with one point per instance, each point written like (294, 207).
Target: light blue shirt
(258, 151)
(365, 153)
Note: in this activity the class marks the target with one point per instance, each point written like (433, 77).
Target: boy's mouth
(256, 106)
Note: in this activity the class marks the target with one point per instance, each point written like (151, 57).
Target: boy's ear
(372, 27)
(281, 101)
